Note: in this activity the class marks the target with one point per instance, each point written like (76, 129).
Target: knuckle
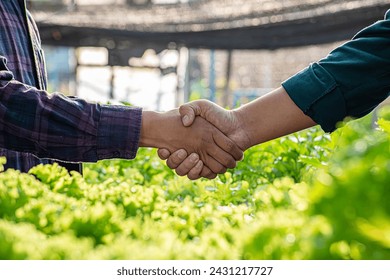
(230, 146)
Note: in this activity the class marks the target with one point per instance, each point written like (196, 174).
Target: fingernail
(186, 119)
(199, 164)
(182, 154)
(194, 157)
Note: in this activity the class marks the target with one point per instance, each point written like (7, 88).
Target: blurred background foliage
(309, 195)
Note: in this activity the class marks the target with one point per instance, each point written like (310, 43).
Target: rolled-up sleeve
(351, 81)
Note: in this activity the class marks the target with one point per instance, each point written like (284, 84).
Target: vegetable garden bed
(305, 196)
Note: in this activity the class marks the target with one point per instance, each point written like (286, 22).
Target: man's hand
(214, 149)
(226, 121)
(184, 165)
(268, 117)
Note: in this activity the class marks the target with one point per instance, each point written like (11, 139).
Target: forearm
(59, 127)
(271, 116)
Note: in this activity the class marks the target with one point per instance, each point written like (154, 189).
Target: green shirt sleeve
(351, 81)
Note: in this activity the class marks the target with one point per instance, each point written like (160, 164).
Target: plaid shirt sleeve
(65, 128)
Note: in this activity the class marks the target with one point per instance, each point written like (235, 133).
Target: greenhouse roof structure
(214, 24)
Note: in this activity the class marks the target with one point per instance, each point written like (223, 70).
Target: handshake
(201, 139)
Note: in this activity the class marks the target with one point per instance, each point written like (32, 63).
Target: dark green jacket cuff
(316, 93)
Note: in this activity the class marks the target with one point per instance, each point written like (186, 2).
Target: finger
(228, 146)
(190, 110)
(194, 173)
(214, 165)
(189, 163)
(163, 154)
(223, 158)
(207, 173)
(176, 158)
(220, 155)
(187, 113)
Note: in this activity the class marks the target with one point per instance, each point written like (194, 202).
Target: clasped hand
(229, 132)
(215, 137)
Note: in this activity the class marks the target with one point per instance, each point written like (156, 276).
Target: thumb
(190, 110)
(187, 113)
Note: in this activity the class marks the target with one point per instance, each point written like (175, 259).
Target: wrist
(149, 136)
(159, 129)
(244, 137)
